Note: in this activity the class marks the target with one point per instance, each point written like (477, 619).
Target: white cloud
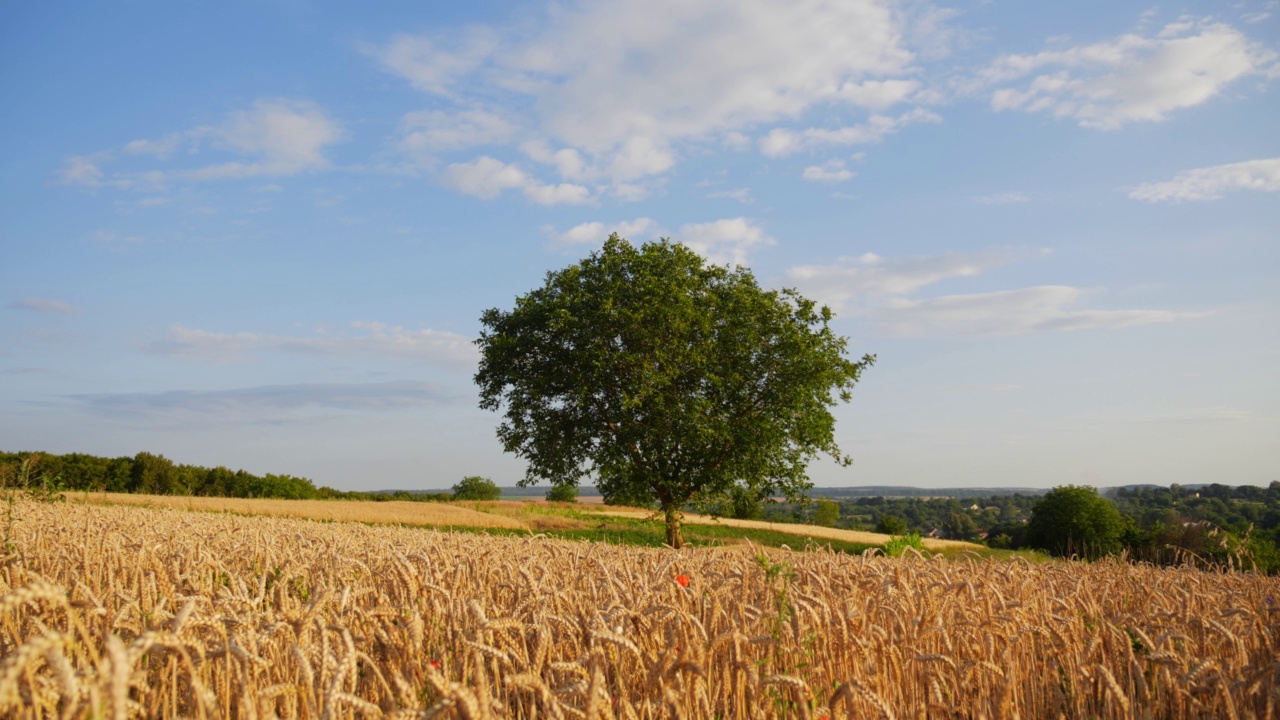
(781, 142)
(161, 148)
(44, 306)
(622, 83)
(433, 66)
(862, 282)
(1044, 308)
(427, 133)
(484, 178)
(425, 346)
(84, 170)
(1003, 198)
(286, 136)
(1132, 78)
(595, 233)
(1211, 183)
(487, 177)
(726, 241)
(830, 171)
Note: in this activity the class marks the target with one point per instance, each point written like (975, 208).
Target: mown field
(123, 612)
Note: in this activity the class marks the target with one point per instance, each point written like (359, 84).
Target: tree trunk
(674, 538)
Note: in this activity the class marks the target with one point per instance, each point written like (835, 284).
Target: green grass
(648, 533)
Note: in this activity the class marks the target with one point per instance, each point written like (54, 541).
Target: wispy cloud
(781, 142)
(1211, 183)
(1046, 308)
(881, 290)
(429, 347)
(858, 283)
(269, 404)
(274, 138)
(1003, 198)
(1133, 78)
(830, 171)
(44, 306)
(742, 195)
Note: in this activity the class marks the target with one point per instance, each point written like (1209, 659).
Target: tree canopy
(474, 487)
(1074, 520)
(669, 379)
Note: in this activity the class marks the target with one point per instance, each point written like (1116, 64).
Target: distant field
(581, 520)
(391, 512)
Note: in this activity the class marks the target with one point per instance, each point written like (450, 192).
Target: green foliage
(960, 526)
(671, 380)
(1003, 541)
(898, 544)
(563, 493)
(826, 513)
(1074, 520)
(474, 487)
(891, 525)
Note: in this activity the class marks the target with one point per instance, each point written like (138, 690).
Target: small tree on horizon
(563, 493)
(474, 487)
(670, 379)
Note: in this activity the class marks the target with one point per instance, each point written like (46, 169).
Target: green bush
(827, 513)
(563, 493)
(892, 525)
(474, 487)
(1003, 541)
(898, 544)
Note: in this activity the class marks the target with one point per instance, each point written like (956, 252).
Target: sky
(262, 234)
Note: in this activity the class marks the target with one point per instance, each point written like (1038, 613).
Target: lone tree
(1074, 520)
(669, 379)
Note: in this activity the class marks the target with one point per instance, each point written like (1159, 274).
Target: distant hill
(893, 491)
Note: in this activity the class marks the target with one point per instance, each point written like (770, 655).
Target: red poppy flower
(435, 664)
(683, 580)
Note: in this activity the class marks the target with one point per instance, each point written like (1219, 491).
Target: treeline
(1206, 524)
(150, 474)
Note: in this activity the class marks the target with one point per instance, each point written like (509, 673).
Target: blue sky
(261, 234)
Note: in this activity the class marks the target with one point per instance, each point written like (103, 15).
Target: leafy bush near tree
(563, 493)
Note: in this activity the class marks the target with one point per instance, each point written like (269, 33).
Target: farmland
(582, 522)
(114, 611)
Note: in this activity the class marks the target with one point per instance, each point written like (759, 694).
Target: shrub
(899, 543)
(892, 525)
(474, 487)
(827, 513)
(563, 493)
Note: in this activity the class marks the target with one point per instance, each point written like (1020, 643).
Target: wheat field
(130, 612)
(391, 512)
